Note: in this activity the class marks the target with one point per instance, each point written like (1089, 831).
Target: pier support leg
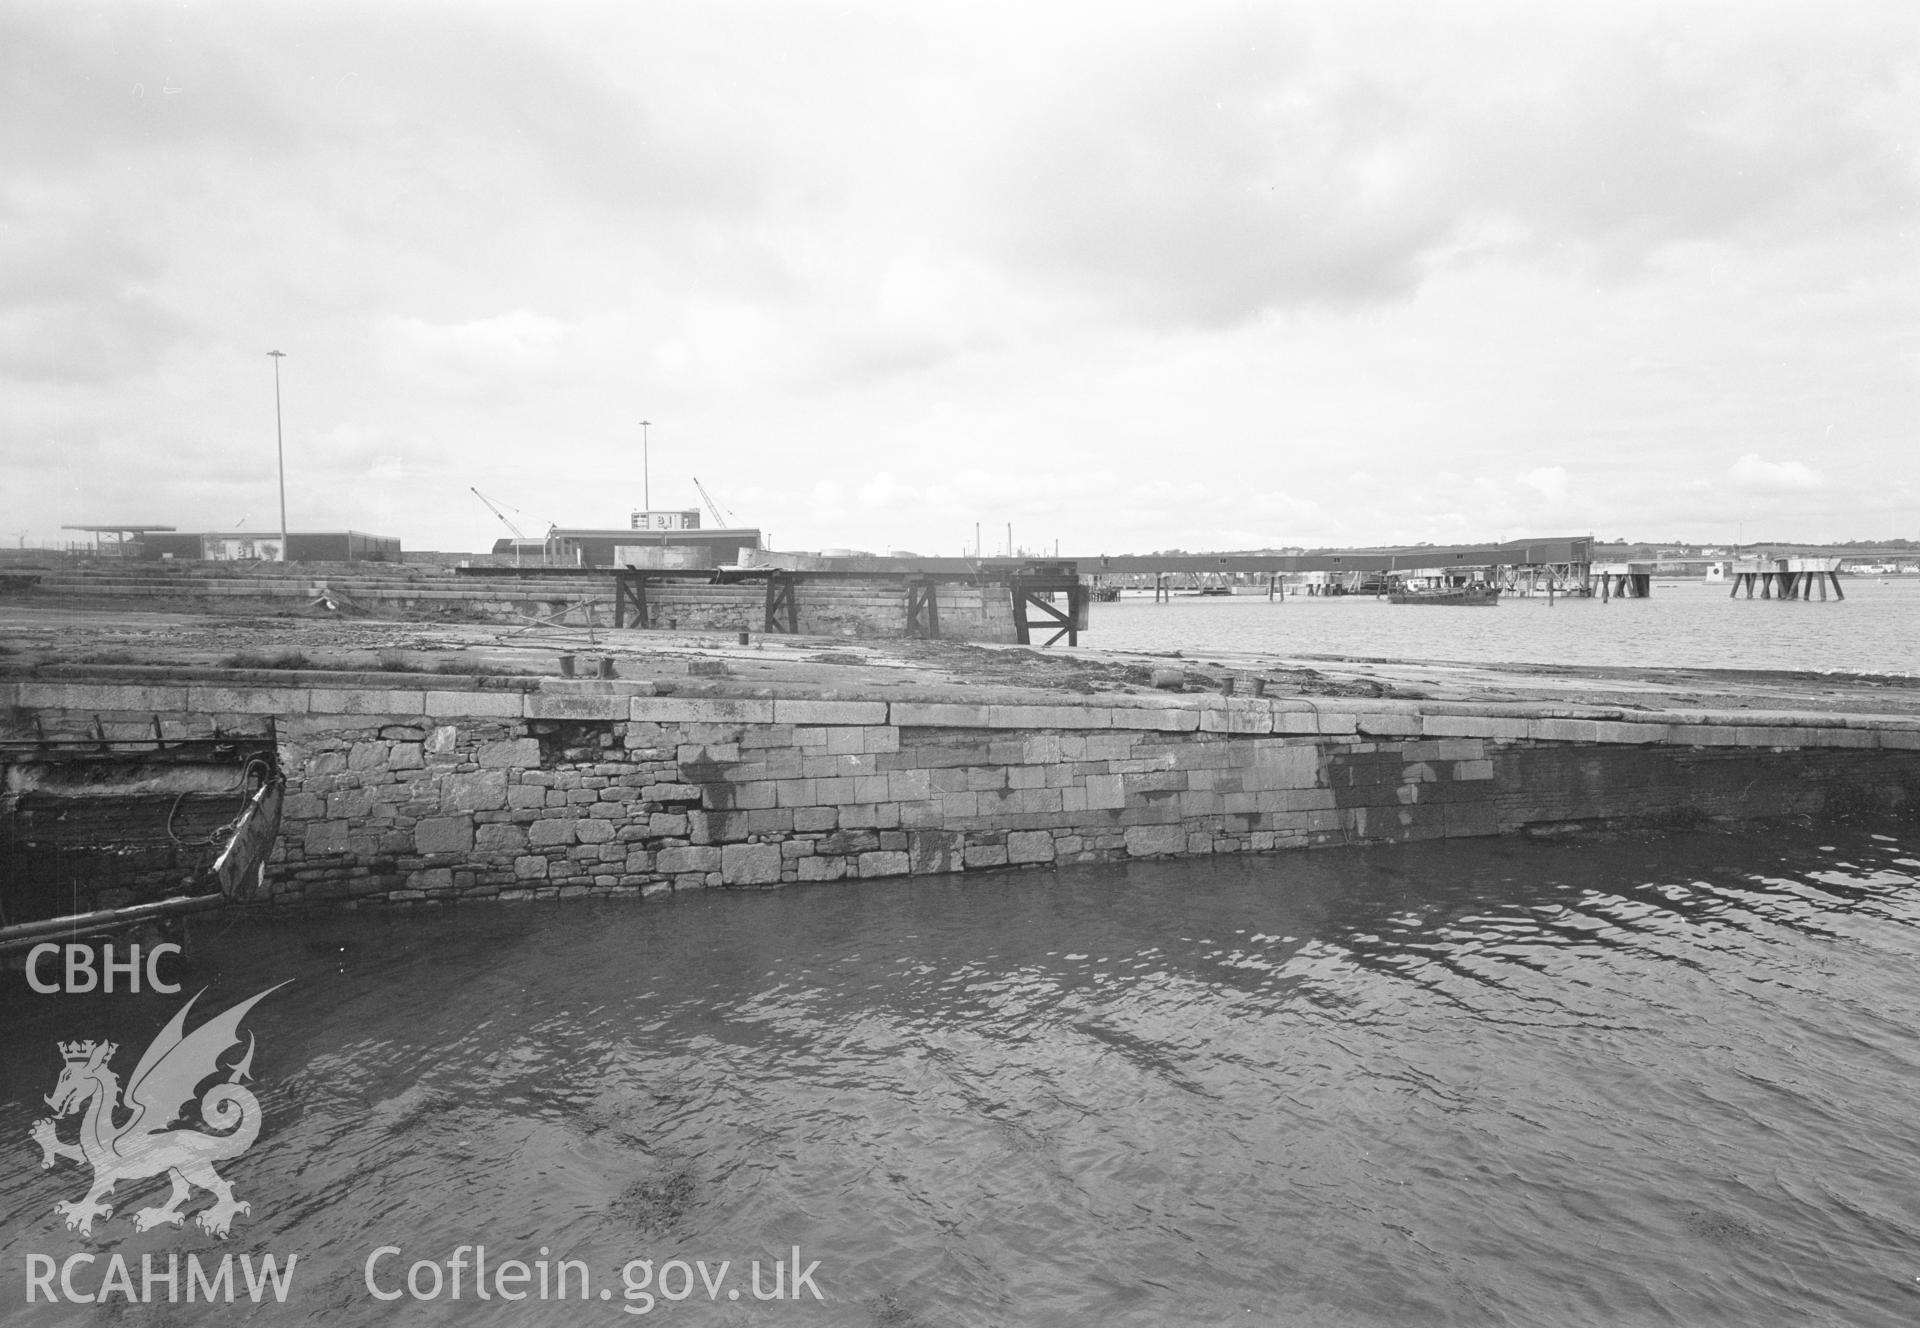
(630, 599)
(781, 615)
(1837, 592)
(923, 610)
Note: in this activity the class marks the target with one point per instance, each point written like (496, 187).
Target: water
(1644, 1081)
(1683, 624)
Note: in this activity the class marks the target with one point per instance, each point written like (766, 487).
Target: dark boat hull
(1455, 596)
(103, 833)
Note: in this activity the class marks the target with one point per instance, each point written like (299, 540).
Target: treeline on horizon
(1648, 547)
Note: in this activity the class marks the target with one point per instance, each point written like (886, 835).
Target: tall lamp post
(646, 490)
(280, 450)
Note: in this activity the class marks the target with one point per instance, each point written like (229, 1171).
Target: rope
(224, 832)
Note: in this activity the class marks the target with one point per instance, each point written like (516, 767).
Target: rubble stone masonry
(556, 788)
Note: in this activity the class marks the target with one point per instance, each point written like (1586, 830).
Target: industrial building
(303, 546)
(638, 547)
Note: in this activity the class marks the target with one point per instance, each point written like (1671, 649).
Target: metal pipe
(24, 933)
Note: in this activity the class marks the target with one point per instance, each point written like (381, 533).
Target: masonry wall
(836, 607)
(841, 607)
(406, 793)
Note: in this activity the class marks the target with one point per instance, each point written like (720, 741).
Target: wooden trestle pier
(1785, 578)
(1049, 597)
(1538, 566)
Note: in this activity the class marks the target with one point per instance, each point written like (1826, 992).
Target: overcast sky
(1128, 277)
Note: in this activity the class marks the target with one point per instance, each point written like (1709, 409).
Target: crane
(712, 506)
(520, 540)
(517, 533)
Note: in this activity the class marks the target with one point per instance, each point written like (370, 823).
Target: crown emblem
(78, 1052)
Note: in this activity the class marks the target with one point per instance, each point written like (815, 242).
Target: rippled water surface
(1638, 1082)
(1684, 624)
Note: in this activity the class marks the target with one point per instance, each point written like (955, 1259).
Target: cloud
(520, 342)
(95, 82)
(1248, 248)
(91, 341)
(1283, 159)
(883, 491)
(1550, 482)
(77, 291)
(1755, 475)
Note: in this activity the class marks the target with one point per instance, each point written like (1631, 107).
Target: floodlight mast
(280, 450)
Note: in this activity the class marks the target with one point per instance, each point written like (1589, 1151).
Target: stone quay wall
(425, 791)
(838, 607)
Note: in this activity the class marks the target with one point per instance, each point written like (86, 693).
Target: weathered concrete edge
(554, 699)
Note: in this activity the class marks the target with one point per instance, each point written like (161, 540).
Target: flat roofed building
(303, 546)
(601, 548)
(679, 518)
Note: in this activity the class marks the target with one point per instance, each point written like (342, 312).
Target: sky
(898, 276)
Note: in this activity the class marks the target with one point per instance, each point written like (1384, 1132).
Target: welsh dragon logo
(147, 1142)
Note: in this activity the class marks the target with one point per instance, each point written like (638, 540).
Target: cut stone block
(750, 864)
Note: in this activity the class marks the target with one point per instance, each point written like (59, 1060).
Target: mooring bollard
(743, 638)
(606, 667)
(566, 666)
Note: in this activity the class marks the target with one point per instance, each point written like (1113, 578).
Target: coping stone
(248, 700)
(1157, 719)
(1254, 718)
(1388, 723)
(99, 696)
(1634, 734)
(1842, 738)
(504, 705)
(699, 710)
(1484, 726)
(1564, 730)
(551, 705)
(939, 715)
(366, 701)
(829, 712)
(1049, 717)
